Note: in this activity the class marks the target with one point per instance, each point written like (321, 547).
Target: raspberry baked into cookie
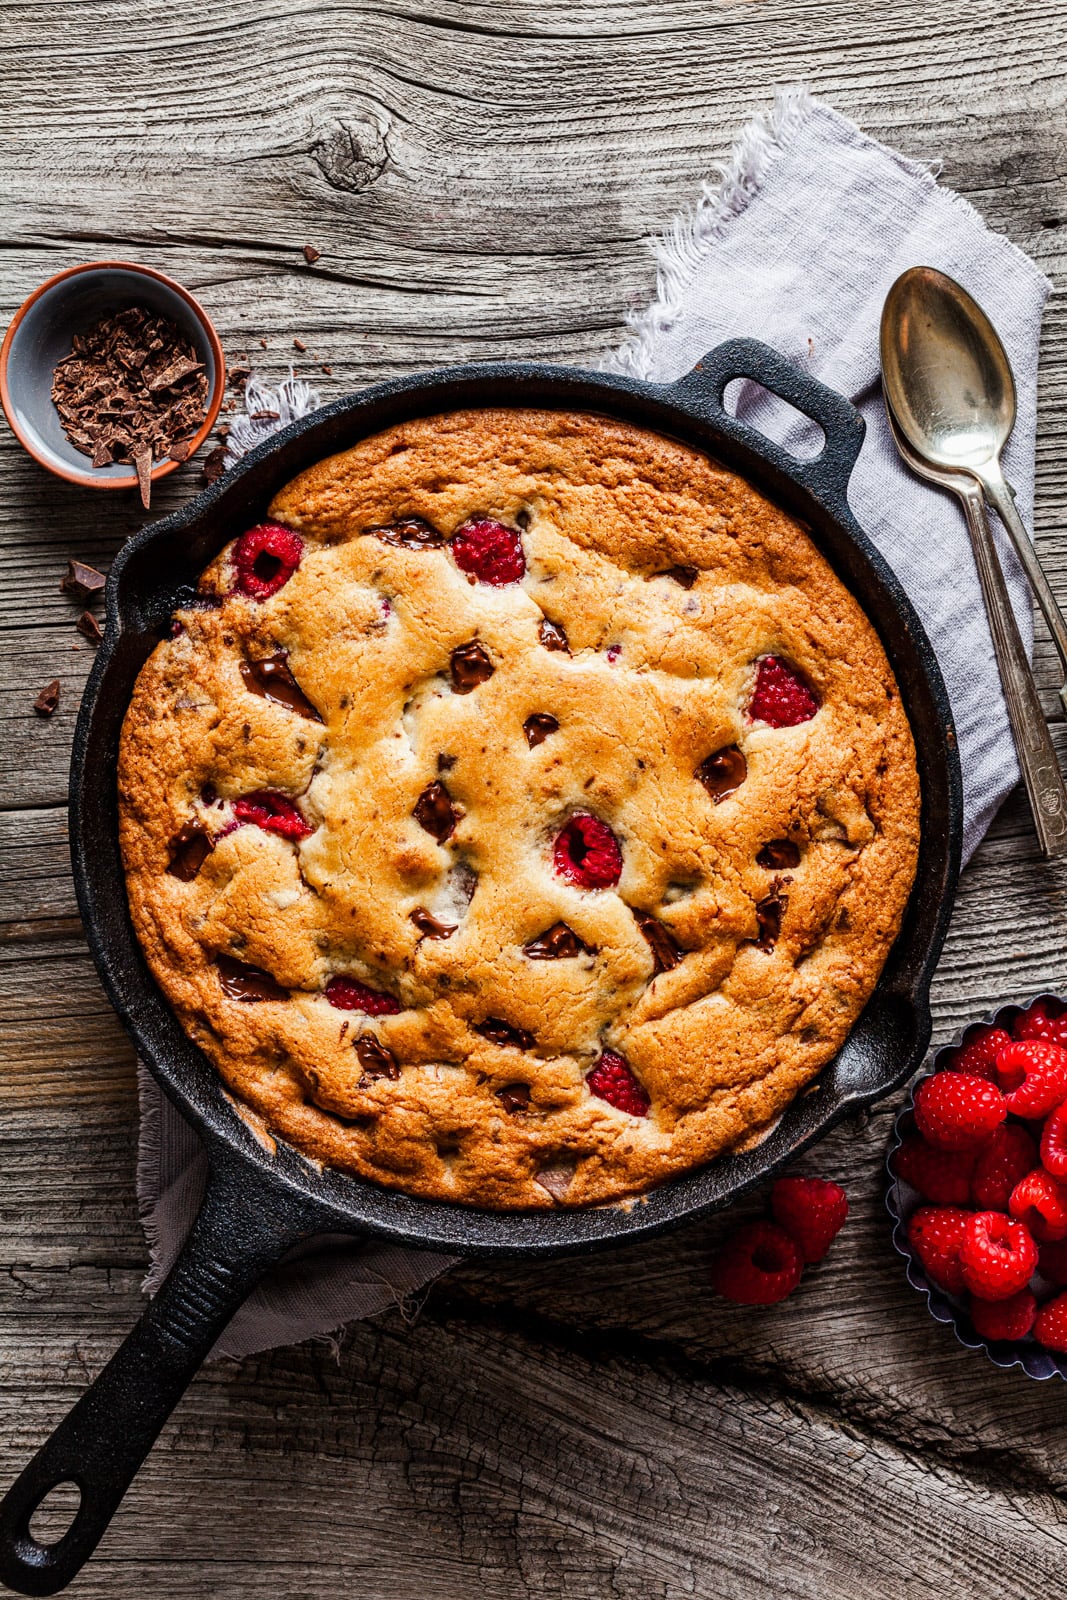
(522, 815)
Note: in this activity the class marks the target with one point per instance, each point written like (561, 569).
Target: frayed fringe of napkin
(266, 411)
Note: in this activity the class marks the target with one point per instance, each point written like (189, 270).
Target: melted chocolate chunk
(499, 1032)
(189, 849)
(470, 665)
(556, 945)
(429, 926)
(273, 680)
(552, 636)
(778, 854)
(435, 812)
(723, 773)
(538, 727)
(241, 982)
(376, 1060)
(686, 576)
(665, 953)
(769, 920)
(514, 1097)
(412, 533)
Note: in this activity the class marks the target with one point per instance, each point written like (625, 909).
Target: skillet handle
(826, 475)
(243, 1227)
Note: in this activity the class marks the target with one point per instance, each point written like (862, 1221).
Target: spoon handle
(1033, 743)
(1000, 495)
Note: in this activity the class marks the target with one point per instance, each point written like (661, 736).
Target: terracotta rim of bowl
(88, 478)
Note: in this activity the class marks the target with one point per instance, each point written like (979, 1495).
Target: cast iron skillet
(259, 1203)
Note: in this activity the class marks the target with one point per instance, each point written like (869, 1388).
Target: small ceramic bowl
(901, 1200)
(40, 335)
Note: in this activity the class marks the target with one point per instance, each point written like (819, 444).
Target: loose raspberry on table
(781, 697)
(1010, 1154)
(273, 812)
(997, 1255)
(1050, 1324)
(489, 551)
(1033, 1076)
(1052, 1262)
(979, 1055)
(1004, 1319)
(1054, 1143)
(812, 1211)
(955, 1111)
(266, 558)
(1040, 1202)
(587, 853)
(349, 994)
(935, 1233)
(1045, 1019)
(612, 1079)
(757, 1266)
(943, 1176)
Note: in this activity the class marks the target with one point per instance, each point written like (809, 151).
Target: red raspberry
(273, 812)
(781, 697)
(935, 1233)
(1052, 1262)
(587, 853)
(997, 1255)
(265, 558)
(1040, 1202)
(1050, 1324)
(943, 1176)
(1043, 1020)
(1004, 1319)
(489, 551)
(1054, 1143)
(348, 994)
(1007, 1158)
(1033, 1076)
(757, 1266)
(812, 1211)
(978, 1056)
(612, 1080)
(957, 1112)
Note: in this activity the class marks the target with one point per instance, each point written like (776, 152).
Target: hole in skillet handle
(701, 392)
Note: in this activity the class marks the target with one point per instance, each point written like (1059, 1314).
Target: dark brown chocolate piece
(311, 255)
(83, 582)
(779, 854)
(557, 944)
(241, 982)
(429, 926)
(769, 920)
(552, 636)
(686, 576)
(411, 533)
(88, 625)
(189, 849)
(435, 812)
(514, 1097)
(497, 1031)
(298, 344)
(723, 773)
(48, 699)
(665, 953)
(214, 464)
(470, 665)
(538, 727)
(273, 680)
(376, 1060)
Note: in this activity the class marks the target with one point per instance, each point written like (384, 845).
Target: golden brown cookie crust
(658, 677)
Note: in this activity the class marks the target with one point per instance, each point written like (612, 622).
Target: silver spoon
(949, 382)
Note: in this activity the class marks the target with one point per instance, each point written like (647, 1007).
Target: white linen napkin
(796, 243)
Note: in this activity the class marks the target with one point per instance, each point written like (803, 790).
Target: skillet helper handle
(826, 475)
(243, 1227)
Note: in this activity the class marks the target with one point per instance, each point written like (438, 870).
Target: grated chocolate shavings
(132, 389)
(214, 464)
(48, 699)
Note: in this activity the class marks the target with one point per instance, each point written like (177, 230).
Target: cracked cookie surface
(532, 824)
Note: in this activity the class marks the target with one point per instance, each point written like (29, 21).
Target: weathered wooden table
(480, 178)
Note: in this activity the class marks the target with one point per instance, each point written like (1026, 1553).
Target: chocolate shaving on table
(311, 255)
(298, 344)
(48, 699)
(214, 464)
(88, 625)
(131, 389)
(82, 581)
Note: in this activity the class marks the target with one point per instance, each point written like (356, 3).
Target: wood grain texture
(481, 180)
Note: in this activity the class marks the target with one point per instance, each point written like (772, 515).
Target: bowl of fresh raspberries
(978, 1186)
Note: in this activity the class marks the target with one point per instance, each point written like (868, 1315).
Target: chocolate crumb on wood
(311, 255)
(214, 464)
(88, 625)
(298, 344)
(48, 699)
(83, 582)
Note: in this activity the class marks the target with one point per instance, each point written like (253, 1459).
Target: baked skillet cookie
(522, 815)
